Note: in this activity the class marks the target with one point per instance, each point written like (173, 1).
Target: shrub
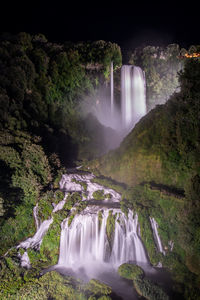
(130, 271)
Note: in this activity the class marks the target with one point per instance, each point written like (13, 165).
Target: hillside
(164, 146)
(43, 86)
(159, 164)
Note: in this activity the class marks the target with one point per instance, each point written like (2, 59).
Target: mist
(116, 106)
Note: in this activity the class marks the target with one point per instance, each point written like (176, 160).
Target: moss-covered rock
(130, 271)
(51, 285)
(110, 227)
(97, 288)
(100, 218)
(98, 195)
(149, 290)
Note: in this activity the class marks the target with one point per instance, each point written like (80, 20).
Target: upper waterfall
(133, 95)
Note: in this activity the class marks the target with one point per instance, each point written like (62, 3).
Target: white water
(157, 239)
(68, 185)
(84, 247)
(84, 244)
(35, 241)
(133, 95)
(35, 214)
(25, 262)
(41, 229)
(60, 205)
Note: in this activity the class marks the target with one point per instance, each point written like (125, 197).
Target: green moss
(108, 196)
(51, 285)
(70, 219)
(148, 239)
(98, 195)
(49, 248)
(58, 196)
(149, 290)
(97, 288)
(45, 206)
(72, 199)
(110, 227)
(100, 218)
(81, 206)
(130, 271)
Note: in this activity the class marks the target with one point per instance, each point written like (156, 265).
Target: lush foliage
(161, 66)
(98, 288)
(42, 86)
(25, 170)
(163, 147)
(149, 290)
(98, 195)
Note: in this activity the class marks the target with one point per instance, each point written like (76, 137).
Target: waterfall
(112, 89)
(84, 244)
(36, 240)
(157, 239)
(25, 262)
(35, 215)
(41, 229)
(133, 95)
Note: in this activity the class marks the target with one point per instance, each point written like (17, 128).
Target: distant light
(192, 55)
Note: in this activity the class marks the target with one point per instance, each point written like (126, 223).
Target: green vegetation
(25, 171)
(82, 183)
(164, 151)
(43, 90)
(159, 163)
(27, 284)
(97, 288)
(161, 66)
(43, 86)
(130, 271)
(100, 218)
(110, 227)
(149, 290)
(143, 286)
(98, 195)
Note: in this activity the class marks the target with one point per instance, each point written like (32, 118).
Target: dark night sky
(128, 25)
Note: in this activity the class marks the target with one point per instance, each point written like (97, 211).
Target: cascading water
(157, 239)
(133, 95)
(84, 244)
(87, 249)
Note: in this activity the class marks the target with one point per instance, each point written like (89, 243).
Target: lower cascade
(85, 243)
(99, 238)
